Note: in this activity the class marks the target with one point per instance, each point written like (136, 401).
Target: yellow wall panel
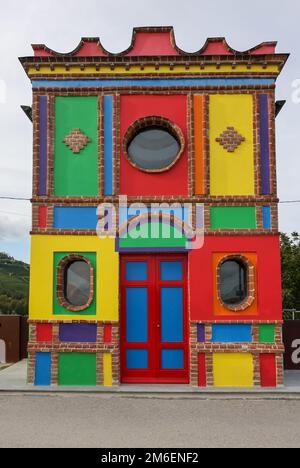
(107, 370)
(233, 370)
(231, 173)
(42, 275)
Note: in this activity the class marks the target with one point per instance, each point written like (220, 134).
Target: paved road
(120, 421)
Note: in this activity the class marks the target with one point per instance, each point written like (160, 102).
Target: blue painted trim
(184, 82)
(75, 217)
(228, 333)
(43, 369)
(266, 215)
(108, 145)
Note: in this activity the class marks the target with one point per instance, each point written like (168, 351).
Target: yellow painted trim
(231, 173)
(233, 370)
(134, 69)
(107, 370)
(42, 276)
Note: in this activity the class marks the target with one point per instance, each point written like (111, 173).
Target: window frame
(61, 287)
(250, 283)
(148, 122)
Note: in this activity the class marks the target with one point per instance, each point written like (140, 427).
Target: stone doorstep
(13, 380)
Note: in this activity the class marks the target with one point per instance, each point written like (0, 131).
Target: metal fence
(291, 314)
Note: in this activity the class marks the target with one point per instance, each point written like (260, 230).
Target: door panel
(137, 315)
(171, 314)
(154, 328)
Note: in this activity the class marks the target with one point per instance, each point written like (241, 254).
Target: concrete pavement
(120, 421)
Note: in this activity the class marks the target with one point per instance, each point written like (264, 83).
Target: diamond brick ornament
(76, 140)
(230, 139)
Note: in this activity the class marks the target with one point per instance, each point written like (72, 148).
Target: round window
(153, 148)
(233, 282)
(77, 283)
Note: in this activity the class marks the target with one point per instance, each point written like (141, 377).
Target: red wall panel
(43, 217)
(268, 276)
(107, 333)
(171, 182)
(201, 370)
(44, 333)
(268, 370)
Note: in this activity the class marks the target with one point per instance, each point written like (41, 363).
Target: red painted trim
(201, 370)
(153, 41)
(147, 44)
(43, 217)
(154, 373)
(44, 333)
(268, 370)
(107, 333)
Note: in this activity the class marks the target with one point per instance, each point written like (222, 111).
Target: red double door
(154, 323)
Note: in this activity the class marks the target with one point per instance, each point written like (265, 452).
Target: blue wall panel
(137, 359)
(231, 333)
(172, 359)
(43, 369)
(75, 217)
(172, 315)
(266, 211)
(137, 315)
(108, 145)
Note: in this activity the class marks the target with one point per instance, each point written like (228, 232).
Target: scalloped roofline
(162, 43)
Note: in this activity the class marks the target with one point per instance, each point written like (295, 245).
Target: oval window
(77, 283)
(153, 148)
(233, 282)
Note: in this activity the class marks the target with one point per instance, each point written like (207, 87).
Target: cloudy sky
(61, 23)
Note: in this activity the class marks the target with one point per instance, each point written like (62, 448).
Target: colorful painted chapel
(113, 300)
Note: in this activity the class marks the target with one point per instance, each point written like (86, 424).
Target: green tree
(290, 267)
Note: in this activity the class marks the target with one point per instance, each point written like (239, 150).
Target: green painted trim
(176, 239)
(233, 217)
(57, 308)
(76, 174)
(266, 333)
(77, 369)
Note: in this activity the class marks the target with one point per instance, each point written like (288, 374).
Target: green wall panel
(233, 217)
(57, 308)
(76, 174)
(77, 369)
(266, 333)
(140, 237)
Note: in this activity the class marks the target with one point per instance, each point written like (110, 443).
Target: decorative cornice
(154, 47)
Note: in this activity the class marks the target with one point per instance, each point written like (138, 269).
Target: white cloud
(13, 228)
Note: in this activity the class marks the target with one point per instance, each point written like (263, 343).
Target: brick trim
(153, 121)
(250, 282)
(60, 293)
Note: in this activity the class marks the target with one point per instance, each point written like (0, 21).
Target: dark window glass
(77, 284)
(233, 282)
(153, 148)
